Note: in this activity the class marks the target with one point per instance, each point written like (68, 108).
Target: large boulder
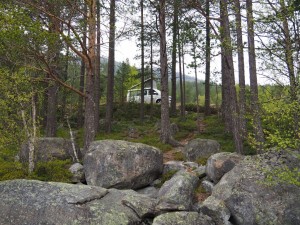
(178, 193)
(216, 209)
(253, 199)
(200, 148)
(221, 163)
(50, 148)
(182, 218)
(121, 164)
(37, 203)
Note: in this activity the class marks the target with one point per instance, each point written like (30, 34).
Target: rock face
(251, 201)
(36, 202)
(200, 148)
(121, 164)
(178, 193)
(47, 149)
(221, 163)
(183, 218)
(77, 173)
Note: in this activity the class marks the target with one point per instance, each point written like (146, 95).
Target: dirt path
(176, 152)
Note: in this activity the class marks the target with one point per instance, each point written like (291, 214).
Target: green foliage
(281, 122)
(12, 170)
(15, 96)
(283, 175)
(214, 129)
(56, 170)
(125, 78)
(202, 161)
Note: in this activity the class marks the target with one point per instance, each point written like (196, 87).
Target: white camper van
(134, 95)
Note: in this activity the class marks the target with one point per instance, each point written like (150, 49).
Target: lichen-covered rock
(221, 163)
(143, 206)
(217, 210)
(77, 173)
(251, 199)
(178, 193)
(50, 148)
(208, 186)
(182, 218)
(121, 164)
(149, 191)
(36, 203)
(200, 148)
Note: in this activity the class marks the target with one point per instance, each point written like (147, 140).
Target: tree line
(44, 42)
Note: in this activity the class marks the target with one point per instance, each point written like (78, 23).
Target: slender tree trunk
(174, 54)
(151, 72)
(196, 80)
(258, 131)
(54, 48)
(183, 77)
(288, 51)
(182, 110)
(111, 69)
(142, 113)
(97, 71)
(89, 114)
(241, 66)
(165, 120)
(228, 78)
(51, 124)
(207, 61)
(80, 117)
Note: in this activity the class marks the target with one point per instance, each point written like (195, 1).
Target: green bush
(56, 170)
(12, 170)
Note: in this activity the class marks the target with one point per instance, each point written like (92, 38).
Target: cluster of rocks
(122, 188)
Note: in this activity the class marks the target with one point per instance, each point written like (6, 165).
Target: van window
(152, 92)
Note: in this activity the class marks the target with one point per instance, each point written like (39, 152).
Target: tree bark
(142, 110)
(258, 131)
(241, 66)
(174, 54)
(80, 116)
(52, 92)
(228, 78)
(182, 108)
(207, 61)
(97, 71)
(89, 115)
(165, 120)
(111, 69)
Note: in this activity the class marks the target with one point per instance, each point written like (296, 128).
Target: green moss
(165, 177)
(178, 156)
(202, 161)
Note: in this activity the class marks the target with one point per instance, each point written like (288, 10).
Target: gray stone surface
(77, 173)
(50, 148)
(253, 200)
(217, 210)
(200, 148)
(39, 203)
(221, 163)
(150, 191)
(182, 218)
(178, 193)
(121, 164)
(208, 186)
